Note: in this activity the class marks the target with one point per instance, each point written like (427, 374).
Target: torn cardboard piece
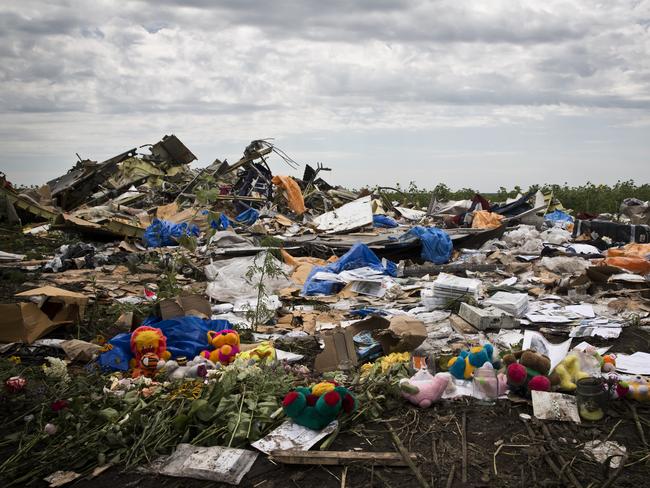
(27, 322)
(399, 334)
(191, 305)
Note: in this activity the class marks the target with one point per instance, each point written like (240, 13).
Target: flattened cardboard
(27, 322)
(194, 305)
(399, 334)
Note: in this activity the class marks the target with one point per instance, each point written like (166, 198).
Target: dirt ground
(458, 443)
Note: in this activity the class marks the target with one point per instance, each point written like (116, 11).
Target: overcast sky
(472, 94)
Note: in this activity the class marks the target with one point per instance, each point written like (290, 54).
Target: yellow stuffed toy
(569, 373)
(263, 353)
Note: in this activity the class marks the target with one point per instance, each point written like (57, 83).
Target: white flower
(57, 369)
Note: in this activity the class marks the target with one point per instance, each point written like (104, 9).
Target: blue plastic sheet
(186, 336)
(383, 221)
(165, 233)
(248, 217)
(436, 243)
(222, 223)
(558, 216)
(359, 256)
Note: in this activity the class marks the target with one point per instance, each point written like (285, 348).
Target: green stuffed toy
(319, 405)
(466, 362)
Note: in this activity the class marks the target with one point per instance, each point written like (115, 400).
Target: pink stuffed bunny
(423, 389)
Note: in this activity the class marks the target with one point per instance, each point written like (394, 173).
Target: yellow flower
(15, 359)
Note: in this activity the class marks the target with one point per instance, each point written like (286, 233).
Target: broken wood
(566, 466)
(405, 456)
(464, 473)
(334, 458)
(417, 271)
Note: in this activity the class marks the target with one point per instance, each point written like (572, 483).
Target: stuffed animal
(147, 340)
(528, 371)
(263, 353)
(569, 372)
(638, 389)
(226, 346)
(423, 389)
(463, 365)
(319, 405)
(197, 368)
(609, 363)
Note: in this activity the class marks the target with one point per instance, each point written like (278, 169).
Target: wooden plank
(340, 457)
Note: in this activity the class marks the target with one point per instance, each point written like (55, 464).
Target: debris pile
(186, 320)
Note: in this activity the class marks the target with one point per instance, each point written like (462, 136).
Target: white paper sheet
(584, 309)
(292, 436)
(637, 363)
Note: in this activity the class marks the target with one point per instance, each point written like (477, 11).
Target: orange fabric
(292, 192)
(630, 251)
(484, 219)
(633, 264)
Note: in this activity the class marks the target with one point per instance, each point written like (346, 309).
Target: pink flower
(59, 405)
(15, 384)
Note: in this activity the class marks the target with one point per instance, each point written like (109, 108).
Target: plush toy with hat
(528, 371)
(226, 346)
(319, 405)
(423, 389)
(463, 365)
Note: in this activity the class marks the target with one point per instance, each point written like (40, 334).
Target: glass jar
(485, 385)
(443, 358)
(592, 398)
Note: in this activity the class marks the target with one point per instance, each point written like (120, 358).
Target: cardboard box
(27, 322)
(399, 334)
(194, 305)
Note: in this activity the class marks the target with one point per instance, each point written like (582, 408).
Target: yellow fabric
(484, 219)
(292, 192)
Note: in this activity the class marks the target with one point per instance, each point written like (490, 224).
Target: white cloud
(103, 76)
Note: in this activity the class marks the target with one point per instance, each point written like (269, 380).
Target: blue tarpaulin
(436, 243)
(558, 216)
(383, 221)
(248, 217)
(165, 233)
(359, 256)
(186, 336)
(221, 223)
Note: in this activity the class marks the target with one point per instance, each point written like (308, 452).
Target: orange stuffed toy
(226, 346)
(150, 343)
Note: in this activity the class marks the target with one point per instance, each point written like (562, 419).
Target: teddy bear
(528, 371)
(569, 372)
(150, 343)
(319, 405)
(423, 389)
(463, 365)
(226, 346)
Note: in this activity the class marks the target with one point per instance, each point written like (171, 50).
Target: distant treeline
(586, 198)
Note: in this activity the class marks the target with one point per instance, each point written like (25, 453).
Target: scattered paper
(555, 406)
(602, 451)
(292, 436)
(582, 347)
(555, 352)
(216, 463)
(584, 309)
(60, 478)
(637, 363)
(538, 318)
(287, 356)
